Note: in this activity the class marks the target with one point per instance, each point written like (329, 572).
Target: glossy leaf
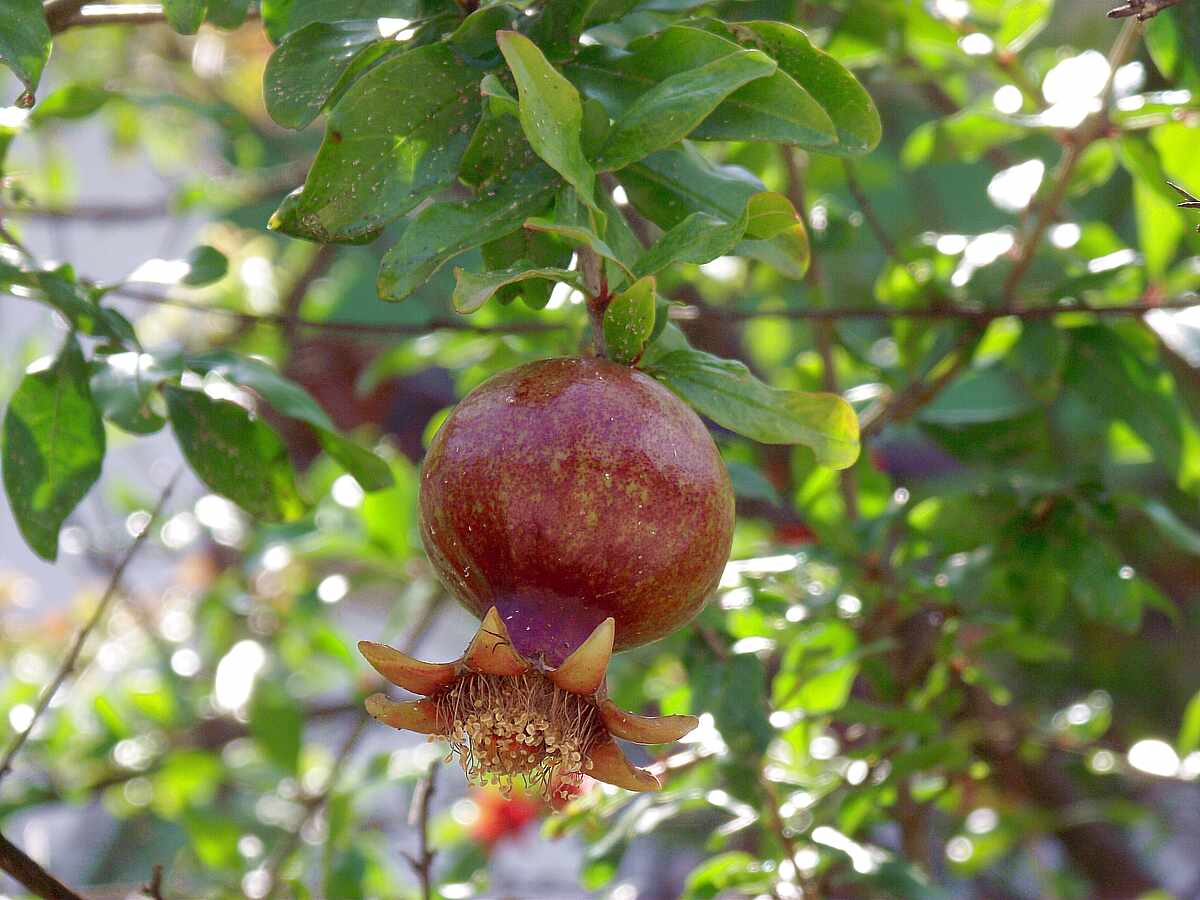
(25, 43)
(185, 16)
(53, 447)
(290, 399)
(629, 321)
(282, 17)
(472, 290)
(837, 91)
(122, 387)
(550, 110)
(726, 392)
(304, 70)
(393, 140)
(673, 108)
(701, 237)
(442, 231)
(228, 14)
(235, 454)
(670, 185)
(580, 236)
(774, 108)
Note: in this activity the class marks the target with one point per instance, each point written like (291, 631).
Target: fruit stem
(595, 286)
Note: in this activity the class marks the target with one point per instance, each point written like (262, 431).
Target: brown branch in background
(153, 888)
(320, 263)
(418, 818)
(1142, 9)
(1080, 139)
(868, 209)
(30, 875)
(316, 801)
(72, 658)
(363, 329)
(59, 12)
(75, 14)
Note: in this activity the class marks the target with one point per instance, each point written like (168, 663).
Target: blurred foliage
(964, 666)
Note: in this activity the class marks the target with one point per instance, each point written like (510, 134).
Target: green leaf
(629, 321)
(1179, 532)
(963, 137)
(77, 100)
(726, 392)
(475, 40)
(670, 185)
(442, 231)
(735, 873)
(774, 108)
(282, 17)
(185, 16)
(290, 399)
(702, 237)
(228, 14)
(540, 250)
(817, 670)
(472, 290)
(580, 236)
(556, 25)
(1023, 21)
(845, 100)
(277, 723)
(1189, 728)
(206, 265)
(53, 447)
(122, 385)
(395, 138)
(673, 108)
(304, 70)
(213, 837)
(25, 44)
(550, 111)
(235, 454)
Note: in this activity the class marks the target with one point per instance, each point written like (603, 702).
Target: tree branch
(418, 818)
(18, 864)
(1079, 140)
(72, 658)
(74, 14)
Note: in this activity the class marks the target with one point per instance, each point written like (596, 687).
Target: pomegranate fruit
(578, 507)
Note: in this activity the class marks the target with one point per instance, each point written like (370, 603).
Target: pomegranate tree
(578, 507)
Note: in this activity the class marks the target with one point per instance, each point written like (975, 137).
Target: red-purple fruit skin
(569, 490)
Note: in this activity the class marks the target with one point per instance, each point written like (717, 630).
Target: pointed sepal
(404, 671)
(610, 766)
(416, 715)
(491, 650)
(583, 671)
(644, 729)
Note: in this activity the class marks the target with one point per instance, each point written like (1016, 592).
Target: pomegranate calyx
(420, 716)
(507, 719)
(583, 671)
(491, 651)
(610, 765)
(644, 729)
(405, 671)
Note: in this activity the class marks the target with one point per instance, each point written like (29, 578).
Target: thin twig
(981, 314)
(1142, 9)
(72, 658)
(153, 888)
(363, 329)
(1080, 139)
(418, 818)
(868, 209)
(92, 14)
(18, 864)
(315, 802)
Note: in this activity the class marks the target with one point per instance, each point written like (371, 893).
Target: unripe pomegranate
(577, 506)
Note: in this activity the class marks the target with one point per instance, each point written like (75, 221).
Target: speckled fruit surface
(569, 490)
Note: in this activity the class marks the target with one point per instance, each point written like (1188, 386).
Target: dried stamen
(518, 726)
